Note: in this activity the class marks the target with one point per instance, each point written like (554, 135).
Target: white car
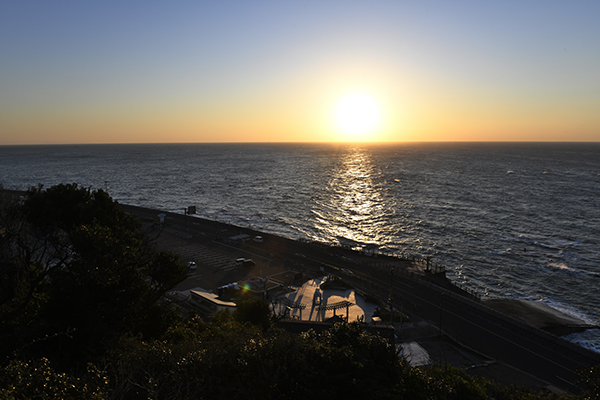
(192, 265)
(244, 262)
(239, 262)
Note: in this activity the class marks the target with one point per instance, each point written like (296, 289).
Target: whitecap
(560, 266)
(564, 268)
(590, 339)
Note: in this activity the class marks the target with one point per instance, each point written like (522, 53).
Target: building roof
(213, 298)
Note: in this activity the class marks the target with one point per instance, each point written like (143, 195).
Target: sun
(357, 116)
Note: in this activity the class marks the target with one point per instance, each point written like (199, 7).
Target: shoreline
(534, 314)
(539, 315)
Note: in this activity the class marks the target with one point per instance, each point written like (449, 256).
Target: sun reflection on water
(353, 206)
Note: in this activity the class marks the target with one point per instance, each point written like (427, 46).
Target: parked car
(192, 265)
(244, 262)
(239, 262)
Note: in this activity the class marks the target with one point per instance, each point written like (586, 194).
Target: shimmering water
(519, 220)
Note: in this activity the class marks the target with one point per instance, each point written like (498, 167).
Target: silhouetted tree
(253, 310)
(81, 271)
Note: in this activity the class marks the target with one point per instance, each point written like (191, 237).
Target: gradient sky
(262, 71)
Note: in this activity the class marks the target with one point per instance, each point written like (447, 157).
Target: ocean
(514, 220)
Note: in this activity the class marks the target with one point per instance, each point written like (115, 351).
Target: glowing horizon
(277, 72)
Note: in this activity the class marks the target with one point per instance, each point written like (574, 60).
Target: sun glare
(357, 116)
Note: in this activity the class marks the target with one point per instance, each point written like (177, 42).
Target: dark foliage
(79, 272)
(253, 310)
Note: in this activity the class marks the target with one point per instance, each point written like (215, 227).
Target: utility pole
(391, 299)
(441, 309)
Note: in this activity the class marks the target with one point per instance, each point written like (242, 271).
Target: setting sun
(357, 116)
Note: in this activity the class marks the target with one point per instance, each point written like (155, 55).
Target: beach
(538, 315)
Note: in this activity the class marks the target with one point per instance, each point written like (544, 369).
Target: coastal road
(466, 321)
(482, 329)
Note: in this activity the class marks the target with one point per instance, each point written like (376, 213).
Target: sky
(279, 71)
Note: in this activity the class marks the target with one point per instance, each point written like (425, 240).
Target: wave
(590, 339)
(551, 243)
(563, 268)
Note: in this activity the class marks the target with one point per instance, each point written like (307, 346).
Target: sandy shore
(538, 315)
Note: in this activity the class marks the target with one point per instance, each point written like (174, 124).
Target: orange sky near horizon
(275, 72)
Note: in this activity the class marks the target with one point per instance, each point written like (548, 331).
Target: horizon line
(309, 143)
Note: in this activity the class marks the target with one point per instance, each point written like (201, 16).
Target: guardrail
(416, 259)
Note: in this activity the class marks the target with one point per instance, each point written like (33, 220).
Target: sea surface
(515, 220)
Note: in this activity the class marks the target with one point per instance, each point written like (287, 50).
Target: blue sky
(88, 72)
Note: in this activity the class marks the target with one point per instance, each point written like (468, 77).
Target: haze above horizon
(330, 71)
